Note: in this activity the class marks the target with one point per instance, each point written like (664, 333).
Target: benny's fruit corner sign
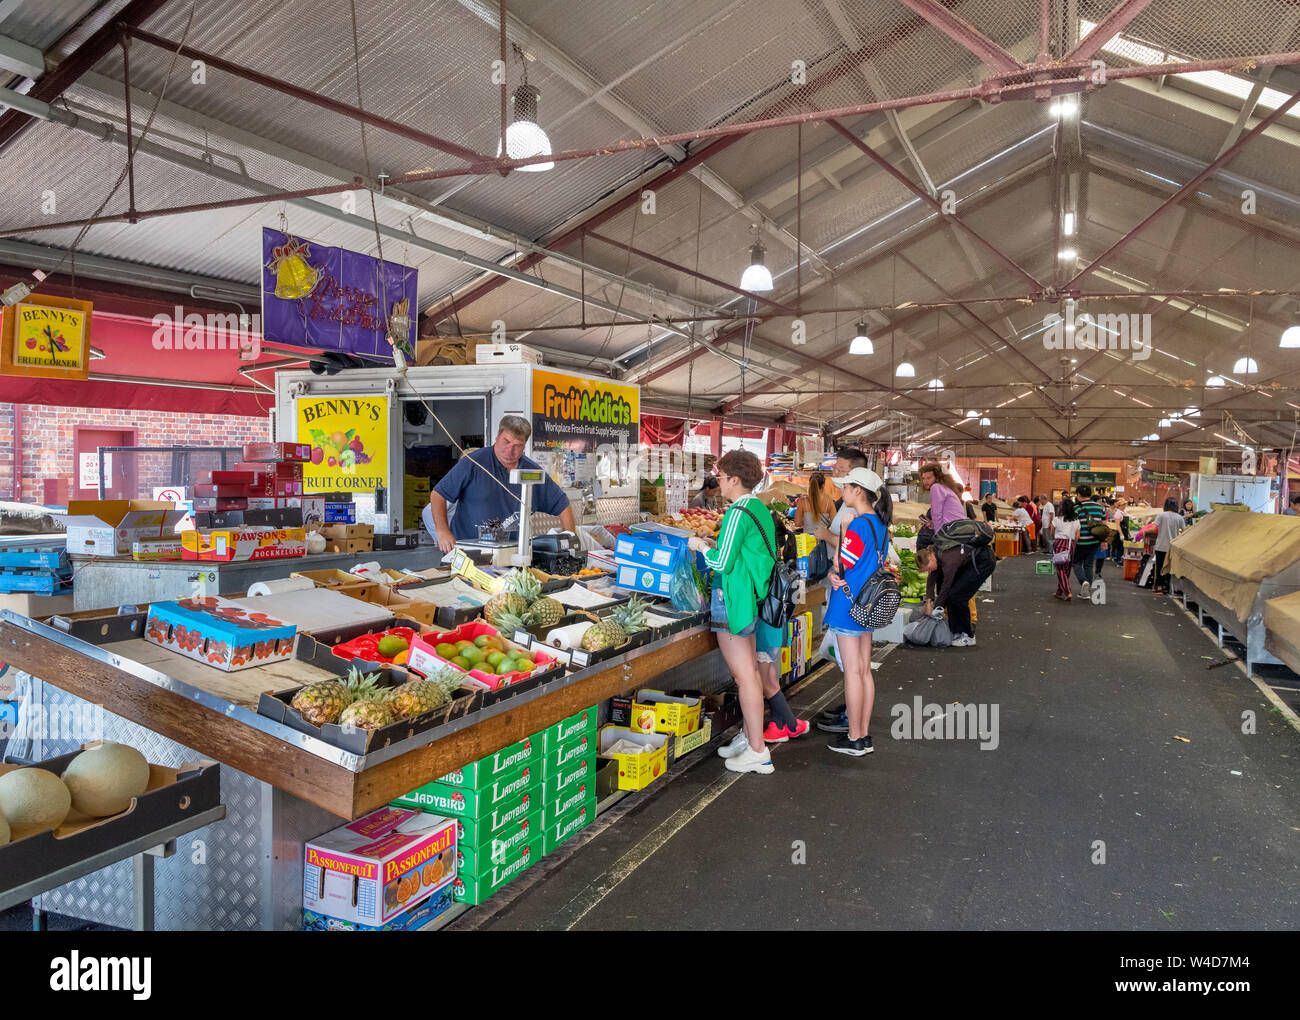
(349, 443)
(47, 337)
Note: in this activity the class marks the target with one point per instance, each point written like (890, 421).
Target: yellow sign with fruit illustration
(47, 337)
(349, 443)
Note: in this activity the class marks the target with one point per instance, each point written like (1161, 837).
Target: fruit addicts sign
(349, 443)
(580, 414)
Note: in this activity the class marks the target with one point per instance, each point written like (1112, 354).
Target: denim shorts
(849, 633)
(718, 617)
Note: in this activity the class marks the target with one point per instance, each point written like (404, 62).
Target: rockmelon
(103, 779)
(33, 799)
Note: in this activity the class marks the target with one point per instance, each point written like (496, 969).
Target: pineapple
(322, 702)
(508, 602)
(507, 622)
(415, 697)
(605, 634)
(369, 709)
(525, 584)
(631, 616)
(544, 612)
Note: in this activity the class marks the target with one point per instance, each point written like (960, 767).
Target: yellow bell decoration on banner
(294, 276)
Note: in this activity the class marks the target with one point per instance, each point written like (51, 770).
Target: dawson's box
(379, 866)
(219, 632)
(243, 544)
(109, 527)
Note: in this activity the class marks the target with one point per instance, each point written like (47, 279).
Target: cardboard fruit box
(243, 544)
(424, 656)
(173, 795)
(584, 721)
(482, 772)
(277, 451)
(657, 712)
(560, 756)
(476, 860)
(557, 783)
(474, 890)
(569, 825)
(466, 802)
(217, 632)
(568, 800)
(109, 527)
(383, 864)
(414, 919)
(329, 578)
(636, 770)
(524, 812)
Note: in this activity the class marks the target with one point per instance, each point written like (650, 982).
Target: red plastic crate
(426, 643)
(367, 645)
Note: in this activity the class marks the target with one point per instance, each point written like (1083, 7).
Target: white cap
(864, 477)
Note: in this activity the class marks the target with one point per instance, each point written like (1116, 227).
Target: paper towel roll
(567, 637)
(282, 585)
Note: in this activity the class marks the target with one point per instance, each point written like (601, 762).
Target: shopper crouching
(956, 574)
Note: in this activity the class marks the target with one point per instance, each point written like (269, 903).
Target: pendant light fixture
(985, 423)
(861, 342)
(1290, 337)
(1215, 381)
(1245, 366)
(1163, 423)
(757, 277)
(524, 135)
(905, 370)
(934, 384)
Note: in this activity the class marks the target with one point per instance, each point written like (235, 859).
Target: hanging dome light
(985, 423)
(861, 342)
(757, 277)
(1190, 412)
(1290, 337)
(905, 370)
(972, 414)
(1215, 381)
(1163, 423)
(1245, 366)
(934, 384)
(1154, 436)
(524, 136)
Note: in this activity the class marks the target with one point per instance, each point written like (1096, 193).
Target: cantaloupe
(103, 779)
(33, 799)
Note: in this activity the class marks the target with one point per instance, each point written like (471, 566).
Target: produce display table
(1230, 565)
(104, 583)
(1282, 629)
(281, 786)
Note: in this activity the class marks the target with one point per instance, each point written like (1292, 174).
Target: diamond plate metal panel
(618, 510)
(242, 874)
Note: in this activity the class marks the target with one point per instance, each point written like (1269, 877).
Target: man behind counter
(473, 491)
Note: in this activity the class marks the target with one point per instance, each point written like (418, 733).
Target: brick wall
(47, 441)
(1024, 476)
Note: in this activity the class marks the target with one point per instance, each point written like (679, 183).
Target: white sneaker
(739, 743)
(1085, 589)
(963, 641)
(750, 760)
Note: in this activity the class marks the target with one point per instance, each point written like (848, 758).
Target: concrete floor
(1115, 744)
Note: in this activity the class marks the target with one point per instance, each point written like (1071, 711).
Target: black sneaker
(857, 748)
(837, 724)
(831, 713)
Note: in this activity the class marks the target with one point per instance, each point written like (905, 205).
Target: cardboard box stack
(497, 806)
(654, 498)
(415, 496)
(515, 806)
(349, 538)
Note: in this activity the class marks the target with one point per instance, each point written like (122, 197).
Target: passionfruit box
(379, 866)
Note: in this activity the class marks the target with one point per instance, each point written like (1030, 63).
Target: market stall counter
(1230, 565)
(1282, 629)
(281, 786)
(105, 582)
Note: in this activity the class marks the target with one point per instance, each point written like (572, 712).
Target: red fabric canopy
(660, 430)
(150, 378)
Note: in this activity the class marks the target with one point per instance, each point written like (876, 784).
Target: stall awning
(135, 375)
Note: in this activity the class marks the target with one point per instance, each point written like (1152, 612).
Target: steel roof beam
(1109, 27)
(966, 35)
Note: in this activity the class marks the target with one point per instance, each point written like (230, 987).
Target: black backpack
(778, 605)
(963, 532)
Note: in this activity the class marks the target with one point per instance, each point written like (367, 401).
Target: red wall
(48, 440)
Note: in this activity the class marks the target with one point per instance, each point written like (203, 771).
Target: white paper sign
(89, 466)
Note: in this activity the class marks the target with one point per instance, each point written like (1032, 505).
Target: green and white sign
(1071, 465)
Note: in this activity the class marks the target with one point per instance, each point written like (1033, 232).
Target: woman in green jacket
(742, 567)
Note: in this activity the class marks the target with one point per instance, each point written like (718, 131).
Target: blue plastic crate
(644, 578)
(34, 559)
(36, 582)
(649, 549)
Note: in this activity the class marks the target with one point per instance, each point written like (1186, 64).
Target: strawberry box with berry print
(219, 632)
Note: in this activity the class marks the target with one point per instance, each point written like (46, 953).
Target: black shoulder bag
(778, 606)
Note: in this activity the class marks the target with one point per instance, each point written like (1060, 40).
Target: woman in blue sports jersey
(865, 540)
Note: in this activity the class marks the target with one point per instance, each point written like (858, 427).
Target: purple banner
(331, 298)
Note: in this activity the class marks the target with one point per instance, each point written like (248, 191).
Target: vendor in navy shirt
(473, 488)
